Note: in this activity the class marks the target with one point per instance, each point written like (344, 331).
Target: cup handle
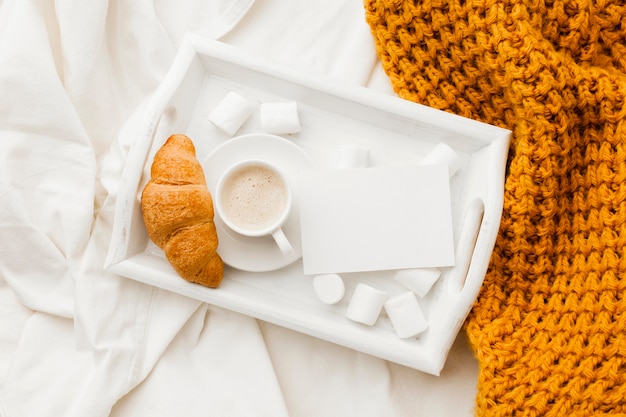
(283, 242)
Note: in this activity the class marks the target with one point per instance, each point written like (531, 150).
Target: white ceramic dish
(395, 131)
(257, 254)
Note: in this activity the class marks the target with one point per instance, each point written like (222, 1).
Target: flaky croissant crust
(178, 213)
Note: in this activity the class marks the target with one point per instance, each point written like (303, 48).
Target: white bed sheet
(76, 341)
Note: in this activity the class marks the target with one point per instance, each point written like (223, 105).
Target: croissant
(178, 213)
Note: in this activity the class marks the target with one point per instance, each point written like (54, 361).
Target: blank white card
(370, 219)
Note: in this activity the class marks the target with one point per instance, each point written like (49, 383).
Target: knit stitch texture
(549, 325)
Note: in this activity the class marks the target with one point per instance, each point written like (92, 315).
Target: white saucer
(258, 254)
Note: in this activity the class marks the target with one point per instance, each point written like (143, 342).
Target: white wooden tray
(395, 131)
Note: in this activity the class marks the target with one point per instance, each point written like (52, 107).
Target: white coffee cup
(253, 198)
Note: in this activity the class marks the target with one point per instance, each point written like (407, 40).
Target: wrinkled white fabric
(71, 74)
(78, 341)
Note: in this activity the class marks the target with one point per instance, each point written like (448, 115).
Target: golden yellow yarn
(549, 325)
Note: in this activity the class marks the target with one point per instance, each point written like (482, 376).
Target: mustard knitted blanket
(549, 326)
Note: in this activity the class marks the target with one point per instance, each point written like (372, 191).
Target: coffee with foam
(254, 197)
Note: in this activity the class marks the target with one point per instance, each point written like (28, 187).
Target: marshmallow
(329, 288)
(231, 113)
(366, 304)
(406, 315)
(443, 154)
(351, 156)
(280, 118)
(418, 280)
